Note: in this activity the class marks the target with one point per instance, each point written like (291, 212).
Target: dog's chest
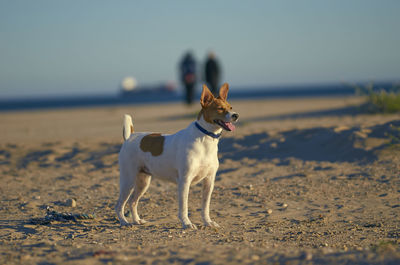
(204, 160)
(205, 151)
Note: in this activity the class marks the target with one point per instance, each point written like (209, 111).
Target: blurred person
(212, 72)
(188, 76)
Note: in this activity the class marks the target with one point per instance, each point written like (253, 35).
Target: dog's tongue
(230, 126)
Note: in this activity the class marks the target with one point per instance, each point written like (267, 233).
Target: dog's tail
(127, 130)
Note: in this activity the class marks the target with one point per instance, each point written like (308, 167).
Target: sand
(301, 181)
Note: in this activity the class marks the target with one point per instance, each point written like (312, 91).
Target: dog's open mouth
(225, 125)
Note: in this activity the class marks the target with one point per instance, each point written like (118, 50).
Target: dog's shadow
(315, 144)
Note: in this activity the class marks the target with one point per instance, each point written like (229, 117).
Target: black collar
(201, 129)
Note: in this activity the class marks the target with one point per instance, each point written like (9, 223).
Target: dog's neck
(212, 128)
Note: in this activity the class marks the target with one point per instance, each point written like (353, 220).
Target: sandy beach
(301, 181)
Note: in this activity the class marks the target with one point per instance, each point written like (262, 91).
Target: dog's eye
(221, 109)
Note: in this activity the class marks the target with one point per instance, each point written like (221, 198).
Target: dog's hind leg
(126, 186)
(141, 185)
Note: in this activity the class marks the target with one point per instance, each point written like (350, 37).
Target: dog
(186, 157)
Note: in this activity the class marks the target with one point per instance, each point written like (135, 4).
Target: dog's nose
(235, 116)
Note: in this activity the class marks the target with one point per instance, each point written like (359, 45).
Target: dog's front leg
(208, 186)
(183, 197)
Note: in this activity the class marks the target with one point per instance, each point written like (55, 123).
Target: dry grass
(380, 100)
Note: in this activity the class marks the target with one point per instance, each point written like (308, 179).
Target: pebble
(269, 211)
(284, 205)
(250, 187)
(70, 203)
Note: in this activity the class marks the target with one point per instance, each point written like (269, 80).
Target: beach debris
(52, 215)
(70, 203)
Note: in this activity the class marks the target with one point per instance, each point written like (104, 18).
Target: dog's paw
(212, 224)
(189, 226)
(140, 222)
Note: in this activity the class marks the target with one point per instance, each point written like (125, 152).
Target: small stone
(269, 211)
(284, 205)
(250, 187)
(70, 203)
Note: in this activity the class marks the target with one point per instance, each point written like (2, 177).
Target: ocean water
(147, 97)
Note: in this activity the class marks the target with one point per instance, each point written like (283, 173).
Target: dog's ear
(206, 97)
(223, 91)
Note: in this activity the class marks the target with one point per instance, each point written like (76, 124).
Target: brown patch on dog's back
(153, 143)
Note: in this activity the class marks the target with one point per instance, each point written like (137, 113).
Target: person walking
(212, 72)
(188, 76)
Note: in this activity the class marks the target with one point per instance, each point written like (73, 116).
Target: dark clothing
(212, 73)
(189, 93)
(188, 76)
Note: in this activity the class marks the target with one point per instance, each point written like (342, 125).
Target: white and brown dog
(186, 157)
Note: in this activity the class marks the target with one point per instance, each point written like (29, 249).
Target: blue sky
(71, 47)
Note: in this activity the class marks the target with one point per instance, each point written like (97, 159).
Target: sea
(151, 97)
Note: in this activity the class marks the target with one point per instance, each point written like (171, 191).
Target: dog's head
(216, 110)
